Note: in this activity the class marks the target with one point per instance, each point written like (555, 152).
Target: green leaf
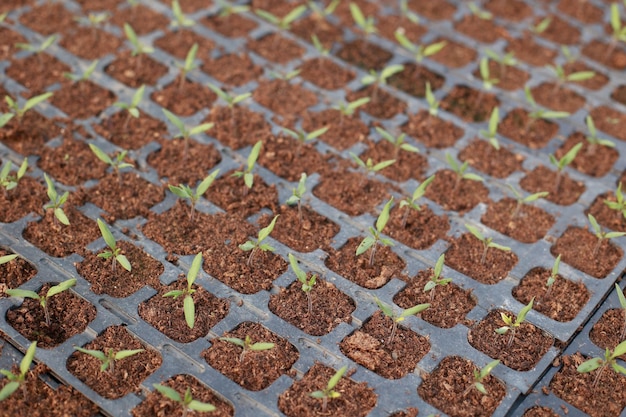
(594, 224)
(189, 308)
(16, 292)
(52, 193)
(383, 218)
(265, 232)
(123, 260)
(382, 165)
(554, 115)
(300, 274)
(619, 349)
(318, 394)
(200, 406)
(357, 14)
(474, 231)
(293, 15)
(502, 330)
(387, 311)
(123, 354)
(581, 75)
(480, 387)
(100, 154)
(106, 234)
(499, 247)
(191, 56)
(168, 392)
(620, 295)
(30, 103)
(524, 311)
(429, 286)
(247, 246)
(267, 16)
(95, 353)
(8, 389)
(200, 128)
(59, 288)
(414, 310)
(5, 118)
(174, 293)
(332, 383)
(590, 365)
(7, 258)
(616, 22)
(555, 267)
(439, 265)
(254, 155)
(433, 48)
(175, 120)
(536, 196)
(233, 340)
(259, 346)
(196, 264)
(28, 358)
(365, 245)
(391, 70)
(206, 183)
(473, 177)
(248, 179)
(486, 370)
(612, 235)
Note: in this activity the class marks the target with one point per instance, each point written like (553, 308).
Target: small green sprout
(492, 129)
(43, 299)
(366, 24)
(619, 31)
(511, 325)
(434, 280)
(378, 79)
(186, 401)
(114, 252)
(521, 200)
(398, 142)
(433, 103)
(189, 308)
(329, 392)
(247, 345)
(117, 163)
(480, 376)
(131, 107)
(37, 49)
(319, 46)
(506, 60)
(5, 118)
(488, 81)
(610, 359)
(600, 234)
(230, 100)
(252, 246)
(559, 72)
(185, 132)
(487, 242)
(180, 20)
(369, 166)
(285, 22)
(397, 318)
(593, 138)
(411, 203)
(188, 65)
(18, 111)
(348, 109)
(297, 193)
(478, 12)
(3, 16)
(459, 170)
(228, 9)
(554, 274)
(320, 12)
(109, 357)
(93, 19)
(8, 258)
(84, 76)
(419, 51)
(542, 26)
(375, 238)
(560, 164)
(184, 191)
(18, 380)
(620, 203)
(247, 174)
(406, 13)
(9, 182)
(539, 113)
(303, 137)
(307, 283)
(139, 48)
(285, 76)
(622, 303)
(56, 202)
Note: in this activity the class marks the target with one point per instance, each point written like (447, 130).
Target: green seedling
(247, 345)
(228, 9)
(510, 325)
(539, 113)
(375, 238)
(622, 303)
(18, 380)
(600, 364)
(329, 393)
(5, 118)
(188, 65)
(18, 111)
(366, 24)
(369, 167)
(113, 252)
(93, 20)
(521, 200)
(117, 162)
(506, 60)
(411, 203)
(296, 195)
(542, 26)
(180, 20)
(486, 241)
(619, 31)
(247, 174)
(184, 131)
(186, 401)
(554, 274)
(8, 258)
(284, 76)
(460, 171)
(43, 299)
(37, 49)
(397, 318)
(109, 356)
(285, 22)
(3, 16)
(399, 142)
(620, 203)
(433, 103)
(600, 234)
(406, 13)
(84, 76)
(434, 280)
(189, 308)
(348, 109)
(593, 138)
(322, 13)
(231, 101)
(562, 78)
(139, 48)
(488, 81)
(480, 376)
(307, 283)
(184, 191)
(419, 51)
(492, 129)
(319, 46)
(9, 182)
(132, 107)
(56, 202)
(478, 12)
(560, 164)
(253, 246)
(377, 79)
(303, 137)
